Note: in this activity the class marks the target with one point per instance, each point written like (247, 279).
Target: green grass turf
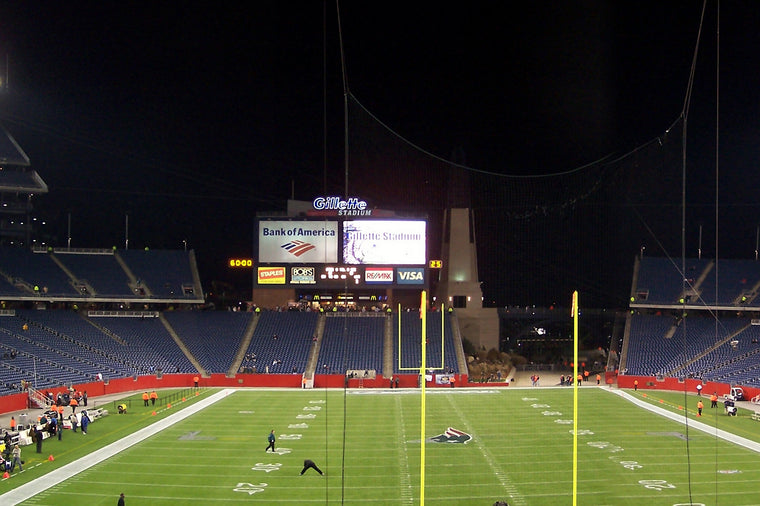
(521, 451)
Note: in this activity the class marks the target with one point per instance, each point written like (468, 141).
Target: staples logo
(411, 276)
(271, 275)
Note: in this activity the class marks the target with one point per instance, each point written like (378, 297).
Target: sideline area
(34, 487)
(679, 418)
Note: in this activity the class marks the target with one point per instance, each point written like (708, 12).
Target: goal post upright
(423, 317)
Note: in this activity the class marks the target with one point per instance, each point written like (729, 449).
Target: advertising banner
(271, 275)
(410, 276)
(299, 242)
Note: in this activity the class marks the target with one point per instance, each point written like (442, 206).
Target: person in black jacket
(38, 438)
(310, 464)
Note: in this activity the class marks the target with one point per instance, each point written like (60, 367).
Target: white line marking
(38, 485)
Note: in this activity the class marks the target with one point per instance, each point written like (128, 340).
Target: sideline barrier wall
(18, 402)
(652, 383)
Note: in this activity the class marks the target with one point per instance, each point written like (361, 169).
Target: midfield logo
(297, 248)
(451, 435)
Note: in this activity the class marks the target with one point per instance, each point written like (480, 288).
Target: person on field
(271, 440)
(309, 464)
(85, 422)
(714, 400)
(700, 406)
(145, 398)
(153, 397)
(37, 437)
(16, 458)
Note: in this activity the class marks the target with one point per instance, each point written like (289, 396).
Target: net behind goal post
(412, 341)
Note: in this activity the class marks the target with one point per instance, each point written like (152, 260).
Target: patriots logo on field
(451, 435)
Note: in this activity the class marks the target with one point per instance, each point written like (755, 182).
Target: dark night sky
(191, 118)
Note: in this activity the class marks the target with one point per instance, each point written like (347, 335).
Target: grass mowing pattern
(521, 452)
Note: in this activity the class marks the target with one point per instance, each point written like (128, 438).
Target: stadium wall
(652, 383)
(18, 402)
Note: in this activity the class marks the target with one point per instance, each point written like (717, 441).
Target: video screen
(384, 242)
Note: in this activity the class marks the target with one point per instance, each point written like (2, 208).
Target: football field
(481, 445)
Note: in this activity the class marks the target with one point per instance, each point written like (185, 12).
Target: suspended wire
(717, 207)
(346, 162)
(685, 114)
(183, 173)
(605, 159)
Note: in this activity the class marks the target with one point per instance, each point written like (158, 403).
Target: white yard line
(514, 496)
(677, 417)
(407, 497)
(34, 487)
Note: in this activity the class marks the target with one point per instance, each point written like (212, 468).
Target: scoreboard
(341, 253)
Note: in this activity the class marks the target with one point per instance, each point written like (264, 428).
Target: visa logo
(410, 275)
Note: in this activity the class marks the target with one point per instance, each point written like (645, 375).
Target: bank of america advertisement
(301, 242)
(384, 242)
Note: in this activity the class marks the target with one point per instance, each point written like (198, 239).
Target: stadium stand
(708, 331)
(353, 341)
(35, 274)
(411, 344)
(212, 337)
(288, 353)
(99, 275)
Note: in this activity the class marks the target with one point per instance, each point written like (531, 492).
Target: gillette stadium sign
(351, 206)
